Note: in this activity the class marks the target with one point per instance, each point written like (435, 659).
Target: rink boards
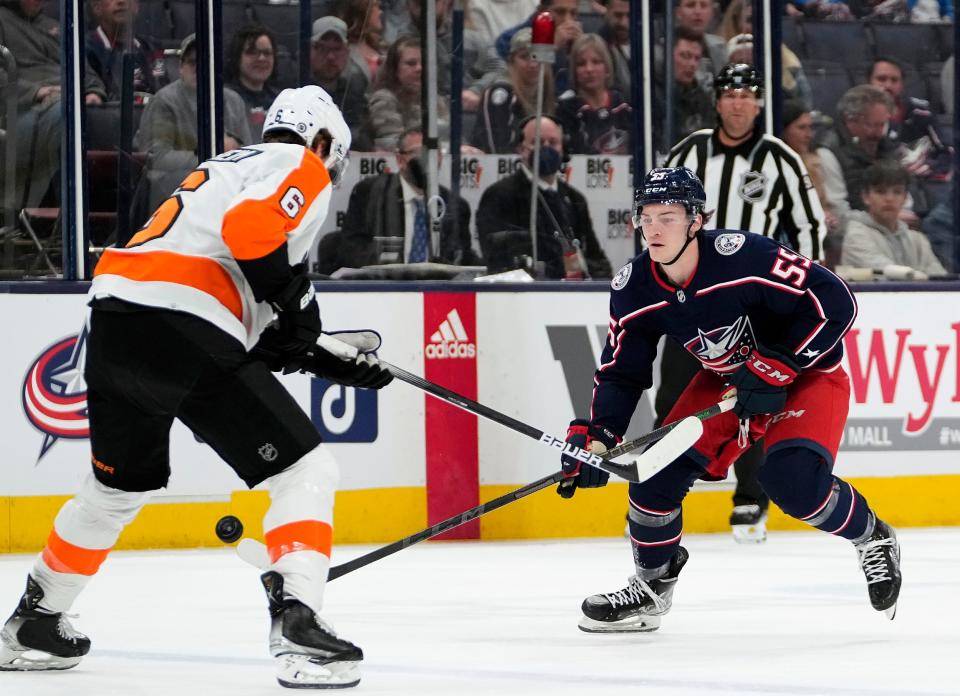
(408, 460)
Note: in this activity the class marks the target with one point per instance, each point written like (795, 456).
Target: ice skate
(749, 524)
(879, 558)
(309, 653)
(34, 639)
(637, 607)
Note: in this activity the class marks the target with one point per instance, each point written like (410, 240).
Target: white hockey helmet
(306, 111)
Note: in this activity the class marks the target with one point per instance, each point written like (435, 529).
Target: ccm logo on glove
(771, 370)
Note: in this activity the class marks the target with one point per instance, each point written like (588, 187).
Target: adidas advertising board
(450, 340)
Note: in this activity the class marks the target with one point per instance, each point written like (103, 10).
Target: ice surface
(787, 617)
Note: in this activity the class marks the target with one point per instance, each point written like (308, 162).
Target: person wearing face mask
(563, 218)
(387, 222)
(754, 182)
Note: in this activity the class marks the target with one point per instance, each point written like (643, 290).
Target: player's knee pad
(797, 479)
(304, 490)
(98, 513)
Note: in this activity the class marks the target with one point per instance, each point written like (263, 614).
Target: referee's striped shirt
(760, 185)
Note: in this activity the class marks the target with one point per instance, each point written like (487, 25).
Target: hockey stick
(627, 471)
(683, 434)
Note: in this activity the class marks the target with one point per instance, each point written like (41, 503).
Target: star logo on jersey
(54, 394)
(810, 353)
(753, 187)
(726, 348)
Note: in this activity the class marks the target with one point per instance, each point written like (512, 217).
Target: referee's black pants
(677, 369)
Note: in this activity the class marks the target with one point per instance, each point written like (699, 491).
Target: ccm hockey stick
(681, 436)
(627, 471)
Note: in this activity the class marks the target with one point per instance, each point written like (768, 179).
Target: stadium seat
(792, 33)
(911, 44)
(841, 42)
(828, 84)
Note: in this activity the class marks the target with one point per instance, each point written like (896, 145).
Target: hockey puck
(229, 529)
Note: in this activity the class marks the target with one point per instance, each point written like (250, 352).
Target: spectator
(508, 101)
(595, 118)
(34, 40)
(251, 71)
(616, 32)
(798, 135)
(736, 28)
(880, 10)
(503, 215)
(329, 55)
(568, 30)
(857, 140)
(930, 11)
(877, 237)
(912, 124)
(391, 207)
(493, 17)
(111, 37)
(395, 105)
(364, 20)
(693, 107)
(479, 67)
(940, 231)
(168, 128)
(830, 10)
(697, 16)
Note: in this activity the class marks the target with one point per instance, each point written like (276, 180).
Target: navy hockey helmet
(669, 185)
(738, 76)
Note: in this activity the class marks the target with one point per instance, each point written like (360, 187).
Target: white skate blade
(634, 624)
(749, 533)
(26, 660)
(306, 672)
(891, 612)
(253, 552)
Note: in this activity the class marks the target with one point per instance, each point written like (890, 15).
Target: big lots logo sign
(890, 361)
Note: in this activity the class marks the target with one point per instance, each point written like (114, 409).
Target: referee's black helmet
(738, 76)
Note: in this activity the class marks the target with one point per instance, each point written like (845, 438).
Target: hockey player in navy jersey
(761, 319)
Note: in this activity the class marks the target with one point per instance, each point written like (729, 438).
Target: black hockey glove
(364, 371)
(298, 317)
(582, 434)
(762, 382)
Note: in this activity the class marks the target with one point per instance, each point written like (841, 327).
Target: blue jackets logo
(343, 414)
(54, 394)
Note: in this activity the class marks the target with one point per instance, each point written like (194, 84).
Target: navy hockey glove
(762, 382)
(298, 316)
(591, 438)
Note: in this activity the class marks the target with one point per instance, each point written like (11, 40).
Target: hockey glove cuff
(592, 438)
(363, 371)
(298, 316)
(762, 382)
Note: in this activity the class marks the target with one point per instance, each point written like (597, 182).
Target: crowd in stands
(883, 133)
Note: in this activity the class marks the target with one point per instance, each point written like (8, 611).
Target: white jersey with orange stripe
(239, 206)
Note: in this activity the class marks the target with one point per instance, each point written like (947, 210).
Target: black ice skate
(749, 524)
(880, 561)
(637, 607)
(34, 639)
(310, 654)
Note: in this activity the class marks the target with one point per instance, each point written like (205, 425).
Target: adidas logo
(450, 340)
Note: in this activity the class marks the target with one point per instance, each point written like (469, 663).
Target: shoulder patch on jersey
(729, 243)
(622, 276)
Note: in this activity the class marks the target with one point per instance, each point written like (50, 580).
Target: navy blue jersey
(748, 290)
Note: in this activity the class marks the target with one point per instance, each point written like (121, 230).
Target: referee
(756, 183)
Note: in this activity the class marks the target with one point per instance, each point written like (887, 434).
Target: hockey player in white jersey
(186, 322)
